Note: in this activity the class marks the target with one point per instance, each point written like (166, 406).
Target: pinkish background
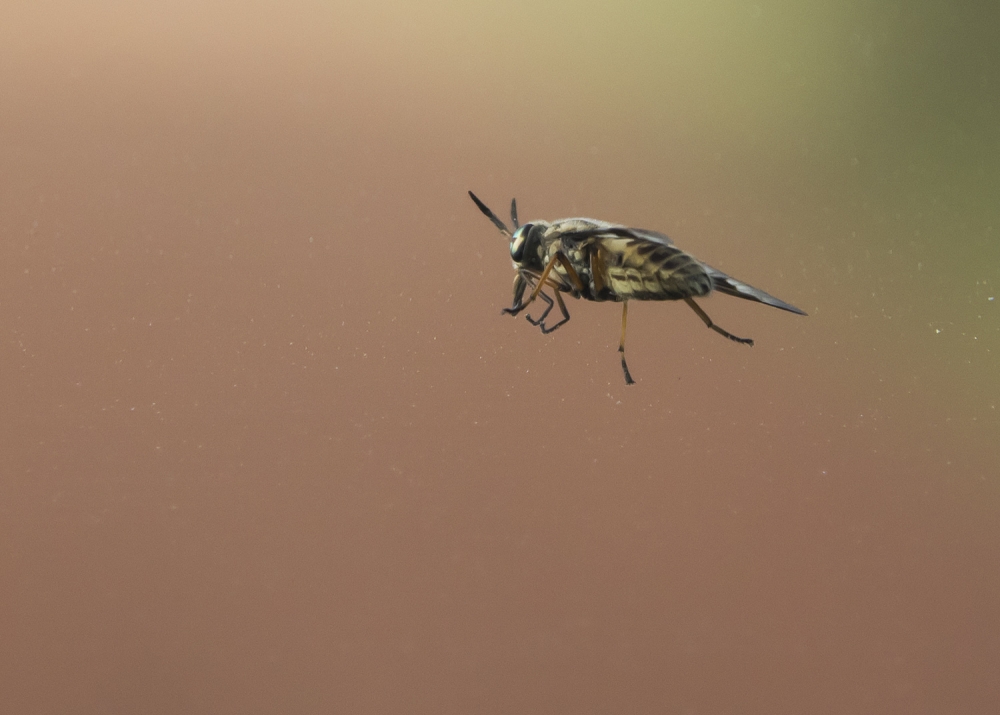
(268, 446)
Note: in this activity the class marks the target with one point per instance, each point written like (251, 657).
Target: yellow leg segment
(567, 266)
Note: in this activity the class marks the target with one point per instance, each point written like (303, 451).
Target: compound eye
(517, 242)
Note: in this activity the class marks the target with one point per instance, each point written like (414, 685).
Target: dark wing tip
(731, 286)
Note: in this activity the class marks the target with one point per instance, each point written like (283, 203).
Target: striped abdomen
(638, 269)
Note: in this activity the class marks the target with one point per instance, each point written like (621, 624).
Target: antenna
(492, 216)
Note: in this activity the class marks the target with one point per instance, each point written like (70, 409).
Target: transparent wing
(570, 233)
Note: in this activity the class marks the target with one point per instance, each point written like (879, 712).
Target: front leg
(571, 273)
(520, 285)
(562, 308)
(541, 318)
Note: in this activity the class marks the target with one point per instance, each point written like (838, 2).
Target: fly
(601, 261)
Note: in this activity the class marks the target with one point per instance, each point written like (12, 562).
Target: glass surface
(269, 446)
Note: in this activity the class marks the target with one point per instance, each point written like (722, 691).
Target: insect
(601, 261)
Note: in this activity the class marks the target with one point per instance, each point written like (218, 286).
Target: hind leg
(708, 321)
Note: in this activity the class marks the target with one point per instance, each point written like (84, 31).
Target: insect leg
(567, 266)
(621, 345)
(596, 270)
(708, 321)
(519, 287)
(544, 296)
(541, 281)
(562, 308)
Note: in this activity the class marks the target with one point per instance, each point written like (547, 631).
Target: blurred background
(269, 446)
